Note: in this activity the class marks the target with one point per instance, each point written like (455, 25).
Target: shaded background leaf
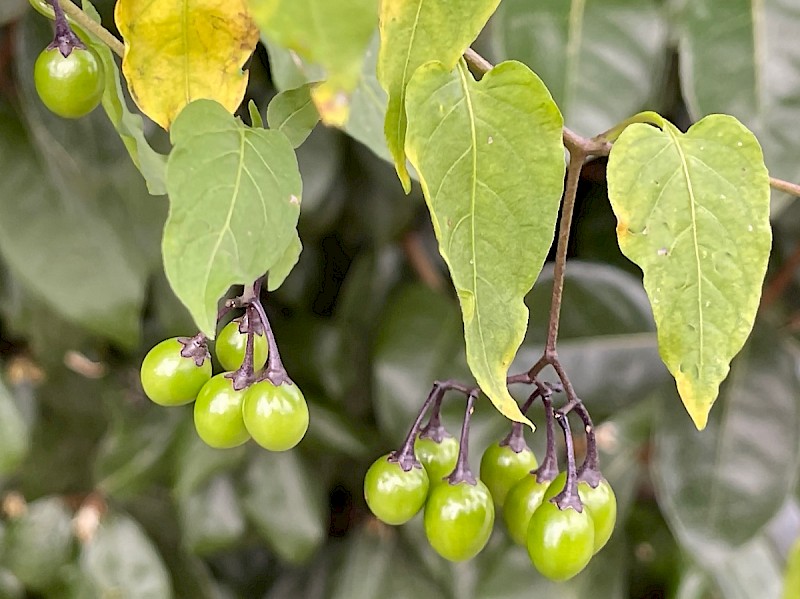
(602, 60)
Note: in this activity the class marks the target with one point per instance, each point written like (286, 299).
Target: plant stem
(567, 209)
(568, 497)
(405, 455)
(244, 375)
(462, 473)
(65, 39)
(434, 429)
(548, 469)
(785, 186)
(589, 472)
(516, 438)
(86, 22)
(274, 371)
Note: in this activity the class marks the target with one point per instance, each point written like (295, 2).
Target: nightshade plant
(486, 143)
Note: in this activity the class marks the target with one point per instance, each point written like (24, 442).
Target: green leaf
(331, 34)
(211, 518)
(693, 213)
(281, 269)
(719, 487)
(11, 10)
(121, 561)
(196, 463)
(39, 543)
(491, 165)
(285, 502)
(35, 209)
(256, 120)
(129, 125)
(131, 455)
(413, 33)
(791, 581)
(293, 113)
(367, 103)
(739, 57)
(602, 61)
(231, 223)
(15, 432)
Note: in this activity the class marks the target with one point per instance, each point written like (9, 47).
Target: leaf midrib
(227, 225)
(698, 267)
(473, 194)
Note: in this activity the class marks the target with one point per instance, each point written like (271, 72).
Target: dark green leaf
(35, 210)
(121, 561)
(285, 502)
(740, 57)
(39, 543)
(131, 455)
(211, 517)
(196, 463)
(602, 60)
(220, 217)
(15, 432)
(719, 487)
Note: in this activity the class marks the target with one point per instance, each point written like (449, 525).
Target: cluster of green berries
(459, 514)
(274, 416)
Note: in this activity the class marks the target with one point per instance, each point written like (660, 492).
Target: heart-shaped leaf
(231, 223)
(179, 51)
(491, 165)
(693, 213)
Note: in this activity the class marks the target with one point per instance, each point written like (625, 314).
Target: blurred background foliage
(107, 495)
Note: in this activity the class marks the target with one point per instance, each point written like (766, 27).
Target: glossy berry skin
(459, 519)
(600, 501)
(393, 494)
(439, 459)
(502, 468)
(522, 500)
(70, 87)
(230, 347)
(168, 378)
(218, 414)
(560, 542)
(276, 417)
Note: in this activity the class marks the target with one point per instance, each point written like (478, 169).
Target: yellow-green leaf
(293, 113)
(414, 32)
(177, 51)
(331, 34)
(234, 203)
(693, 213)
(491, 165)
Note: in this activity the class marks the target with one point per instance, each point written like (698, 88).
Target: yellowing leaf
(180, 51)
(332, 34)
(491, 165)
(414, 32)
(693, 213)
